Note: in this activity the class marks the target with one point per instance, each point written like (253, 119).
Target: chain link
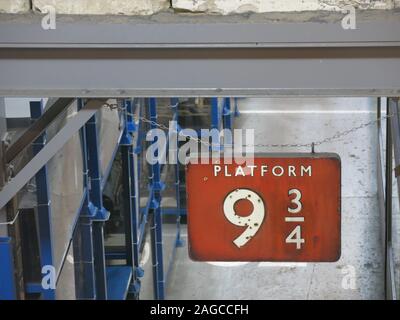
(335, 137)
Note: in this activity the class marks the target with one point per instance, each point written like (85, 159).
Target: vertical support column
(102, 214)
(7, 283)
(388, 199)
(215, 125)
(3, 174)
(394, 124)
(84, 248)
(156, 219)
(8, 290)
(175, 106)
(135, 203)
(228, 125)
(227, 114)
(126, 142)
(43, 203)
(131, 206)
(237, 112)
(215, 118)
(381, 171)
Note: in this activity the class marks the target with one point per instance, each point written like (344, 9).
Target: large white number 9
(252, 222)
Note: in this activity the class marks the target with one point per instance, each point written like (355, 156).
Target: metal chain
(335, 137)
(114, 106)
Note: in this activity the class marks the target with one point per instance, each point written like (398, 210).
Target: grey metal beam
(320, 28)
(51, 148)
(200, 72)
(175, 55)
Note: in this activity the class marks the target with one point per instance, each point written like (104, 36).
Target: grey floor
(301, 121)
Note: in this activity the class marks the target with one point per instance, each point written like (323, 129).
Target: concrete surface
(241, 6)
(149, 7)
(127, 7)
(303, 120)
(14, 6)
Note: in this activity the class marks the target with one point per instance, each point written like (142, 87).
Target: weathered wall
(14, 6)
(128, 7)
(240, 6)
(148, 7)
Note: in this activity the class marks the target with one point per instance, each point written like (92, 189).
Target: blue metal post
(135, 199)
(7, 281)
(156, 225)
(43, 203)
(102, 214)
(215, 125)
(237, 112)
(175, 108)
(227, 114)
(84, 249)
(130, 198)
(215, 115)
(125, 143)
(227, 123)
(86, 256)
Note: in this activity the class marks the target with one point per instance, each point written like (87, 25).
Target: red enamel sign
(280, 208)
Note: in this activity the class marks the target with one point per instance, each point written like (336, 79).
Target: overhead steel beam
(49, 150)
(200, 72)
(296, 29)
(174, 55)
